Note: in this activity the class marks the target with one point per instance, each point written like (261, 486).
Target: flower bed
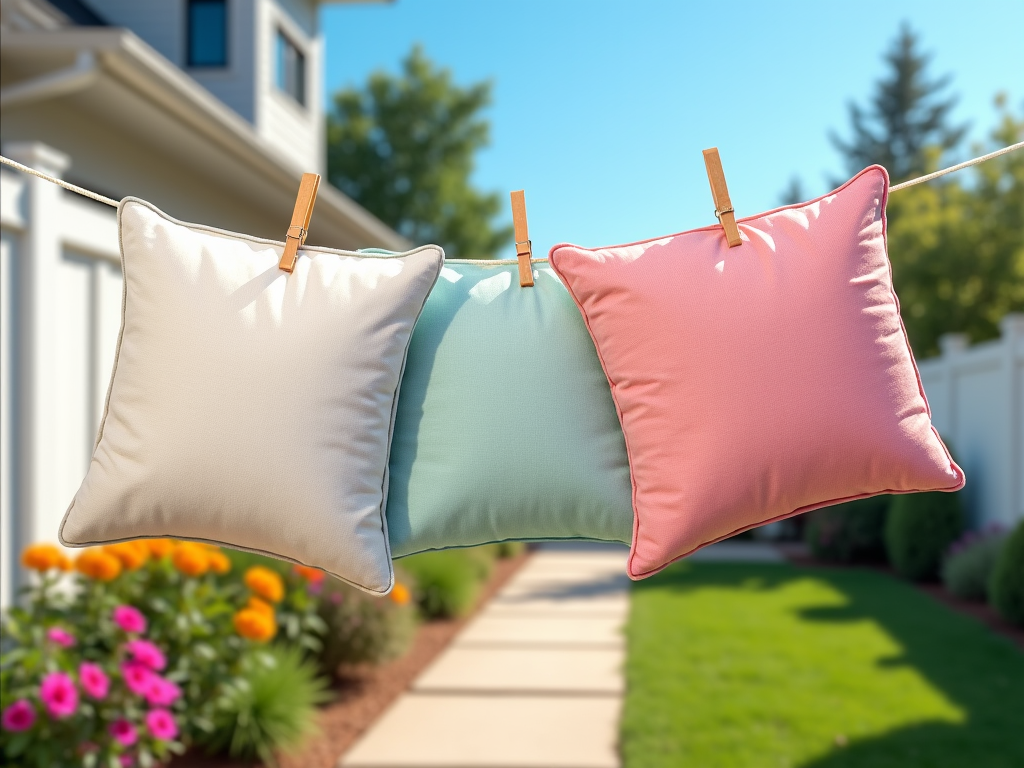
(133, 651)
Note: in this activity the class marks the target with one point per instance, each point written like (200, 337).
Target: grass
(770, 666)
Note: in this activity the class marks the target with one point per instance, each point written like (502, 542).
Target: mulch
(364, 692)
(983, 612)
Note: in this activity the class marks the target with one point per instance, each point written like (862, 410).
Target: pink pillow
(757, 382)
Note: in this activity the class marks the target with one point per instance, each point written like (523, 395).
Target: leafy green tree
(957, 246)
(907, 116)
(404, 148)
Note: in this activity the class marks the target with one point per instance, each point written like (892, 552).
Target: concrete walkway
(534, 681)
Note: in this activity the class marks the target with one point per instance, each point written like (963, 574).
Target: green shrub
(967, 569)
(362, 628)
(447, 582)
(270, 707)
(483, 557)
(919, 530)
(1006, 589)
(510, 549)
(851, 532)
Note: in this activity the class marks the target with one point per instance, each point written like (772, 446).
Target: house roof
(184, 122)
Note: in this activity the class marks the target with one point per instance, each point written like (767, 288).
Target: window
(207, 33)
(291, 68)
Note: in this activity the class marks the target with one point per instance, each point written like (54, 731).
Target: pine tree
(907, 117)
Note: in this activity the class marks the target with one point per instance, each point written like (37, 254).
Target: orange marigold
(159, 548)
(131, 554)
(66, 564)
(190, 558)
(265, 583)
(310, 574)
(99, 565)
(255, 625)
(400, 594)
(219, 562)
(41, 557)
(257, 604)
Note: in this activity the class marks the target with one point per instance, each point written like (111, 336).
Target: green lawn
(766, 666)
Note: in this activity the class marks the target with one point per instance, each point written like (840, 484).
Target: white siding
(8, 531)
(295, 131)
(977, 399)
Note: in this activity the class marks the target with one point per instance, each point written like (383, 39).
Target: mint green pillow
(506, 427)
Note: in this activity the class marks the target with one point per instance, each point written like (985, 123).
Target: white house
(210, 109)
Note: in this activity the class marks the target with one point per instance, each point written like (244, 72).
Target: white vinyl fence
(977, 398)
(60, 313)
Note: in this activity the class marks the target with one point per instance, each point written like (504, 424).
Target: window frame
(283, 42)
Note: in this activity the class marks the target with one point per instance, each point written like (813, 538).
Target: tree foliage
(404, 147)
(957, 247)
(957, 244)
(906, 118)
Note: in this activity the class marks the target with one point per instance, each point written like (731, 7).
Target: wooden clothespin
(720, 194)
(303, 212)
(524, 248)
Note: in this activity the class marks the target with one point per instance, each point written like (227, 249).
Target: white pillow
(249, 407)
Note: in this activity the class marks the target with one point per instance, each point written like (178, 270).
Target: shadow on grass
(980, 672)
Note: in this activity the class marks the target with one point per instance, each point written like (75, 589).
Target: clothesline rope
(114, 203)
(60, 182)
(957, 167)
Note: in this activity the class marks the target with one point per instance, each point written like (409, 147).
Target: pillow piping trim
(552, 539)
(961, 479)
(394, 398)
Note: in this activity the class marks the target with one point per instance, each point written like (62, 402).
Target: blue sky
(601, 108)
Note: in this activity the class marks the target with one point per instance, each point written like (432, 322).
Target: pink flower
(130, 619)
(94, 680)
(146, 653)
(59, 694)
(161, 692)
(124, 732)
(136, 676)
(61, 637)
(126, 761)
(161, 724)
(19, 716)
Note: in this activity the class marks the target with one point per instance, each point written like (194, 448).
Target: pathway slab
(601, 605)
(496, 627)
(443, 731)
(531, 670)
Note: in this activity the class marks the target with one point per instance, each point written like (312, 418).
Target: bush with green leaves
(363, 629)
(919, 530)
(509, 549)
(447, 581)
(1006, 589)
(270, 705)
(967, 569)
(853, 532)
